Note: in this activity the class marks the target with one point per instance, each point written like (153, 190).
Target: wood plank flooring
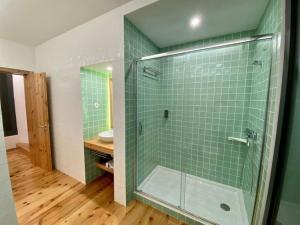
(49, 198)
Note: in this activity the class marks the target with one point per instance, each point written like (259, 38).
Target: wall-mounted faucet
(241, 140)
(250, 135)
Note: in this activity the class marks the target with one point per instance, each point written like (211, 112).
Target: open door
(38, 120)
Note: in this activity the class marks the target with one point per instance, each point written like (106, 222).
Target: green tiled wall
(210, 95)
(136, 46)
(207, 94)
(291, 186)
(260, 64)
(95, 104)
(149, 116)
(271, 22)
(220, 160)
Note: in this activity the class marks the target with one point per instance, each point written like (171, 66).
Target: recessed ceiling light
(109, 68)
(195, 21)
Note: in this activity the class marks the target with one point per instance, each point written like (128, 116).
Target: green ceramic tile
(95, 104)
(210, 95)
(271, 22)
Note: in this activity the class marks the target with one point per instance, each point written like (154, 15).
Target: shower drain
(225, 207)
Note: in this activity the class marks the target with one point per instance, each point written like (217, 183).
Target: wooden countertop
(96, 145)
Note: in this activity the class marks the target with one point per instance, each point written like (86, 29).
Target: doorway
(24, 104)
(12, 95)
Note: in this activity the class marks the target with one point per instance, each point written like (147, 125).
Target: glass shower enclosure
(201, 118)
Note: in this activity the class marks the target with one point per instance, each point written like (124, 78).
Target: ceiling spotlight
(109, 68)
(195, 21)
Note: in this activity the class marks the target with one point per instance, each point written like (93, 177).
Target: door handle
(45, 126)
(140, 128)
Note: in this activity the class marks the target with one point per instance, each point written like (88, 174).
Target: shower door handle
(140, 128)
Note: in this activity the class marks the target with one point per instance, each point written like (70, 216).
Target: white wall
(20, 107)
(19, 94)
(17, 56)
(99, 40)
(12, 55)
(11, 141)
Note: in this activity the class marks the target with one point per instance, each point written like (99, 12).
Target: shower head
(257, 63)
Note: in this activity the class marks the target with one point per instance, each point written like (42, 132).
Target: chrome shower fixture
(251, 134)
(151, 73)
(257, 62)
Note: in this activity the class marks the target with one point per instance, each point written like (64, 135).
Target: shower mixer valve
(251, 134)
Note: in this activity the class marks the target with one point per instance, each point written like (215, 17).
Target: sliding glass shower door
(200, 130)
(152, 118)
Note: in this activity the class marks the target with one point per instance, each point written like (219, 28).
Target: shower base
(203, 198)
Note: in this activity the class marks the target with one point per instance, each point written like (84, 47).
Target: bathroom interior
(159, 110)
(97, 107)
(198, 105)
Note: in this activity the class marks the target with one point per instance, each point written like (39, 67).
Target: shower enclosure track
(224, 44)
(178, 210)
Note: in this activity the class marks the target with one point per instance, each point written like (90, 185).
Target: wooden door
(38, 120)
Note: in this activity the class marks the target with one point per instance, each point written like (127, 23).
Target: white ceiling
(166, 22)
(33, 22)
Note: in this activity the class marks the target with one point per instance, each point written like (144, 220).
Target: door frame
(15, 71)
(23, 73)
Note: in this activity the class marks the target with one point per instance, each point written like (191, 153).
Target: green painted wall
(149, 114)
(289, 205)
(292, 178)
(95, 104)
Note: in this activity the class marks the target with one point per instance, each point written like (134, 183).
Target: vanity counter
(99, 146)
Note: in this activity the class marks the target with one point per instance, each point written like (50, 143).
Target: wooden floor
(55, 198)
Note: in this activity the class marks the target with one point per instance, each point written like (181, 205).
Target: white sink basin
(107, 136)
